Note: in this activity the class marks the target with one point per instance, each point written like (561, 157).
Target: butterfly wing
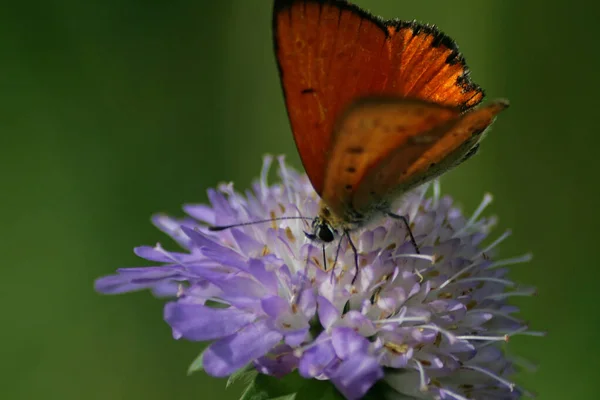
(385, 146)
(331, 53)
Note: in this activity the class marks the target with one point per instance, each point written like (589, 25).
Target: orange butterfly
(377, 107)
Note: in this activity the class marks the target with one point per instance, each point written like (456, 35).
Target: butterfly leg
(354, 250)
(412, 238)
(347, 233)
(410, 234)
(337, 253)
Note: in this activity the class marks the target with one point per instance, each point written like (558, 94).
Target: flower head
(429, 324)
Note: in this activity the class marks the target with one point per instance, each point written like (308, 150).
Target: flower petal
(132, 279)
(227, 355)
(201, 212)
(328, 314)
(347, 342)
(307, 303)
(355, 376)
(360, 323)
(279, 362)
(197, 322)
(296, 338)
(246, 243)
(274, 306)
(317, 358)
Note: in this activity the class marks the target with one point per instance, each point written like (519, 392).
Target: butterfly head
(323, 226)
(322, 231)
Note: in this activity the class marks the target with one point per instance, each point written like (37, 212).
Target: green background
(113, 110)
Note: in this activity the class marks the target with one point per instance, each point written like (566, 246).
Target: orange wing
(383, 147)
(331, 53)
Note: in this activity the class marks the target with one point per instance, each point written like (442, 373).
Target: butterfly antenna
(216, 228)
(406, 224)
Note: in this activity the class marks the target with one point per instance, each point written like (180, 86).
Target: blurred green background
(113, 110)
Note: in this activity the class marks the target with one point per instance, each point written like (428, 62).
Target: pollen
(397, 348)
(289, 234)
(471, 305)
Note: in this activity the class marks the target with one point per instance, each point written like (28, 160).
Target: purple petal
(152, 254)
(246, 243)
(307, 303)
(201, 240)
(213, 250)
(200, 212)
(279, 362)
(355, 376)
(225, 256)
(197, 322)
(172, 227)
(224, 212)
(116, 284)
(227, 355)
(267, 278)
(397, 359)
(165, 289)
(390, 299)
(360, 323)
(132, 279)
(157, 253)
(239, 291)
(144, 274)
(347, 342)
(317, 358)
(220, 254)
(296, 338)
(274, 306)
(328, 314)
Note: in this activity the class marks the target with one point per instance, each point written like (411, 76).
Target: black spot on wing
(355, 150)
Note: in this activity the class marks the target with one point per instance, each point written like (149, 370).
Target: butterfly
(377, 107)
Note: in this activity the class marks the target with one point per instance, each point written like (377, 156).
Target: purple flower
(430, 324)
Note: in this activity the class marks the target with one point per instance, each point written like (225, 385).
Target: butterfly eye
(325, 233)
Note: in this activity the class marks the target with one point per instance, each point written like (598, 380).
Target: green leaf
(196, 365)
(291, 387)
(265, 387)
(286, 397)
(318, 390)
(255, 392)
(382, 391)
(245, 375)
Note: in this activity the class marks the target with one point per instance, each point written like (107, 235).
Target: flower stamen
(496, 242)
(423, 387)
(511, 386)
(511, 261)
(487, 200)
